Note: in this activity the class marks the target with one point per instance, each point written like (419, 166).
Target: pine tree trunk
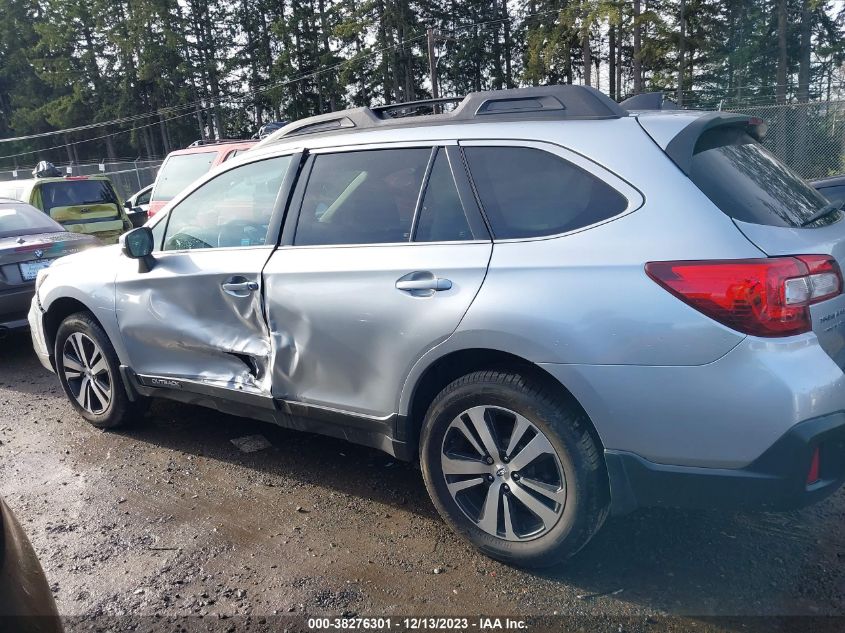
(780, 88)
(682, 43)
(611, 58)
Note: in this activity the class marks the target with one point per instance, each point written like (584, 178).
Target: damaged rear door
(195, 320)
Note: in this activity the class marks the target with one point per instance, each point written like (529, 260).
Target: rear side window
(527, 192)
(366, 197)
(71, 193)
(180, 171)
(749, 184)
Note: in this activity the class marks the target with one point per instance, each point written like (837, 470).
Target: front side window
(366, 197)
(749, 184)
(180, 171)
(233, 209)
(528, 192)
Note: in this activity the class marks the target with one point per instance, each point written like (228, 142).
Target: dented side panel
(177, 320)
(344, 336)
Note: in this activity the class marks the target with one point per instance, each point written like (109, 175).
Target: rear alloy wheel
(89, 372)
(517, 495)
(512, 465)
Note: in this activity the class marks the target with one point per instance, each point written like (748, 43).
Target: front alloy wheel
(88, 369)
(87, 373)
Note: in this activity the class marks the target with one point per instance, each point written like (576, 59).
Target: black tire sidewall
(115, 414)
(576, 524)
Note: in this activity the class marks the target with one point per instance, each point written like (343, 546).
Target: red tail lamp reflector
(762, 297)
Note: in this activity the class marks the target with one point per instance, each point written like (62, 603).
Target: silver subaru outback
(561, 308)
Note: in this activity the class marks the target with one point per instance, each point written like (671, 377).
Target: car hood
(94, 257)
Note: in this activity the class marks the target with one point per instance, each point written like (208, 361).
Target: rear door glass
(73, 193)
(527, 192)
(180, 171)
(749, 184)
(442, 217)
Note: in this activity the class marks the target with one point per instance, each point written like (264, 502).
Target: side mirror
(127, 205)
(138, 244)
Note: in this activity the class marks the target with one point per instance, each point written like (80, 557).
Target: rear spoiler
(681, 148)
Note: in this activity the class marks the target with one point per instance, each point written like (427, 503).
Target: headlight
(39, 279)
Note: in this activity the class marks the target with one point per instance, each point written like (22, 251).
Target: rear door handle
(239, 287)
(422, 283)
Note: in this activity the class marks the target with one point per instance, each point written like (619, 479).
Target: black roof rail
(218, 141)
(559, 102)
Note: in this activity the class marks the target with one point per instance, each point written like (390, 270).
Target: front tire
(89, 371)
(513, 467)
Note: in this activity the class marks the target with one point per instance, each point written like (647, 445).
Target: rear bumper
(777, 480)
(13, 307)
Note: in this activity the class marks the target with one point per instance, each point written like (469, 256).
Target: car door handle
(239, 287)
(422, 283)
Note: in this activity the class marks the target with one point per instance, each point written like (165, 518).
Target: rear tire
(89, 372)
(513, 467)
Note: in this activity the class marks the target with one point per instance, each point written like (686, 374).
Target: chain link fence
(809, 137)
(126, 176)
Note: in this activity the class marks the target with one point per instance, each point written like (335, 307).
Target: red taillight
(813, 474)
(762, 297)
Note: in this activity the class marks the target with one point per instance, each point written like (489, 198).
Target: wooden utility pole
(432, 63)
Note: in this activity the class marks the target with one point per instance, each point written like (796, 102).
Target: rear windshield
(22, 219)
(72, 193)
(178, 172)
(749, 184)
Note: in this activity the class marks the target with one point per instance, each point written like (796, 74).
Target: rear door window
(180, 171)
(749, 184)
(441, 216)
(362, 197)
(73, 193)
(528, 192)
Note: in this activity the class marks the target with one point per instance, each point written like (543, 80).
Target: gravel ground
(142, 527)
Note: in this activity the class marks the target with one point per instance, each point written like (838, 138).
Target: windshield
(178, 172)
(22, 219)
(73, 193)
(749, 184)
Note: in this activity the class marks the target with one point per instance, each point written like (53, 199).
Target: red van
(184, 166)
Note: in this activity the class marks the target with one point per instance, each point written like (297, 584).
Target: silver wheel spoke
(453, 466)
(543, 512)
(72, 364)
(82, 397)
(98, 363)
(457, 486)
(76, 344)
(101, 391)
(479, 422)
(459, 424)
(538, 445)
(519, 428)
(490, 515)
(506, 508)
(547, 490)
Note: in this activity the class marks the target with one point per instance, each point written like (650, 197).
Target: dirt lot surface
(141, 527)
